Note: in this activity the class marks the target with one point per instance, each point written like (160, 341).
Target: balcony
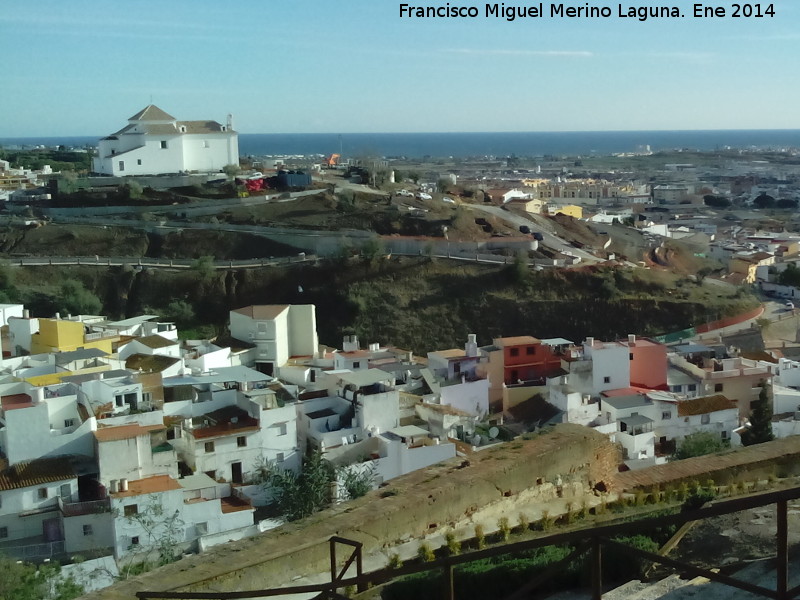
(90, 507)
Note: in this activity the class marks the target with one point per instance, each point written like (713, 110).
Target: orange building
(526, 358)
(648, 361)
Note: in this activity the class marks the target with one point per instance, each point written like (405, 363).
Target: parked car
(789, 304)
(424, 196)
(448, 200)
(405, 193)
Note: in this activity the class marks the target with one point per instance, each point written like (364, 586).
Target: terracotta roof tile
(36, 472)
(262, 311)
(148, 485)
(702, 406)
(124, 432)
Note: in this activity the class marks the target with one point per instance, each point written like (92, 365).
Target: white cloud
(497, 52)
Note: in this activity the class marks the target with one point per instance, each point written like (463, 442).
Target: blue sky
(304, 66)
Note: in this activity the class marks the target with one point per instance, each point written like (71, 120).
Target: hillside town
(141, 433)
(104, 420)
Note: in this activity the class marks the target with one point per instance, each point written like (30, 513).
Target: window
(119, 400)
(724, 435)
(163, 144)
(514, 352)
(42, 493)
(241, 441)
(209, 446)
(356, 364)
(675, 389)
(69, 422)
(718, 387)
(705, 419)
(87, 530)
(130, 510)
(201, 528)
(692, 387)
(282, 429)
(139, 161)
(630, 356)
(3, 532)
(147, 396)
(122, 165)
(135, 540)
(606, 379)
(530, 350)
(206, 144)
(457, 368)
(279, 457)
(666, 415)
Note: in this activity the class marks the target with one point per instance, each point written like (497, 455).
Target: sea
(464, 145)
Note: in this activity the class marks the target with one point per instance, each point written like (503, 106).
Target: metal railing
(590, 540)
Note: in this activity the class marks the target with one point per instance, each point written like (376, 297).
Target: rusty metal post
(597, 575)
(332, 543)
(362, 586)
(449, 587)
(782, 559)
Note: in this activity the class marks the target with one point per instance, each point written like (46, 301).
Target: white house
(33, 489)
(37, 422)
(277, 331)
(184, 510)
(154, 143)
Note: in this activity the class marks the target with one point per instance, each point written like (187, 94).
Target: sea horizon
(467, 144)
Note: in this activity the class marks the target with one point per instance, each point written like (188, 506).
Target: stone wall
(410, 507)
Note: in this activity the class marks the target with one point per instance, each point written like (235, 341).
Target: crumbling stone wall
(409, 507)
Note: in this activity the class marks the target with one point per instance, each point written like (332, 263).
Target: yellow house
(571, 210)
(58, 335)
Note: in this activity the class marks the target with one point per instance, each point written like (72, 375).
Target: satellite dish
(493, 431)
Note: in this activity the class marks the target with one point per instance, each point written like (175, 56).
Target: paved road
(549, 240)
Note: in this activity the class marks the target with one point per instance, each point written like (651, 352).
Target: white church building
(154, 143)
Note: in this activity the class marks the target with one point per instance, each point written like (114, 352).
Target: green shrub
(452, 545)
(524, 523)
(395, 562)
(480, 537)
(424, 553)
(504, 528)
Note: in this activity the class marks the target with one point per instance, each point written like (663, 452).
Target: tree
(789, 276)
(180, 312)
(23, 581)
(356, 480)
(231, 170)
(204, 267)
(162, 533)
(699, 444)
(716, 201)
(297, 496)
(760, 429)
(764, 200)
(76, 299)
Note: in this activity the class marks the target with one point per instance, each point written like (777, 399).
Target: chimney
(37, 395)
(58, 316)
(26, 314)
(590, 342)
(114, 486)
(350, 343)
(631, 340)
(123, 485)
(471, 347)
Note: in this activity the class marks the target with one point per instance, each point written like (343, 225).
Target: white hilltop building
(154, 143)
